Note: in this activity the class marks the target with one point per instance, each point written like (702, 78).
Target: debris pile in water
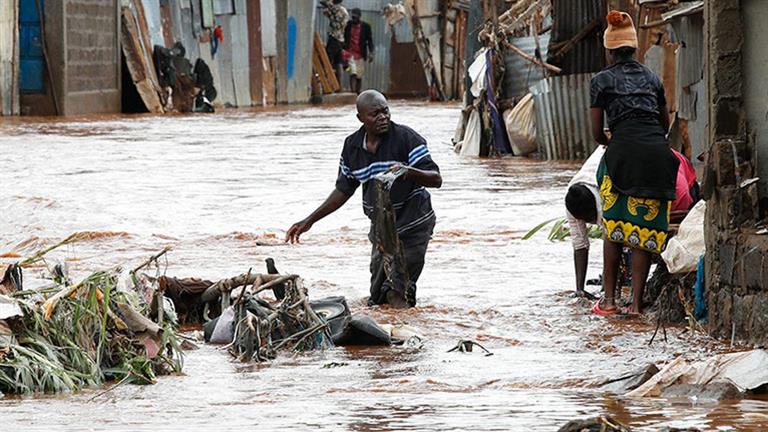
(257, 329)
(65, 337)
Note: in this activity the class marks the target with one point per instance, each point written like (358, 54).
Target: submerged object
(346, 329)
(362, 330)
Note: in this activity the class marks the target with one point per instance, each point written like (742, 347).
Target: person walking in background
(217, 38)
(638, 173)
(359, 44)
(337, 15)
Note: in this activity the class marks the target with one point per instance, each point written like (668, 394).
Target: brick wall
(91, 49)
(737, 258)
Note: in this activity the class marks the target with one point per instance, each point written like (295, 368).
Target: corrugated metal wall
(403, 31)
(520, 74)
(689, 33)
(9, 57)
(185, 27)
(154, 21)
(376, 73)
(562, 117)
(570, 17)
(268, 28)
(230, 66)
(302, 12)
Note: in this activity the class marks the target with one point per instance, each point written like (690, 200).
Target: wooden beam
(570, 43)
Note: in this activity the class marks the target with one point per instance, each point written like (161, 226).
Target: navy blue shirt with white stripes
(412, 202)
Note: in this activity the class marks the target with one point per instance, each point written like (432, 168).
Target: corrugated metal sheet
(428, 10)
(570, 17)
(268, 28)
(231, 61)
(303, 14)
(403, 31)
(9, 54)
(520, 74)
(697, 129)
(562, 117)
(238, 37)
(230, 67)
(184, 29)
(376, 73)
(689, 33)
(154, 21)
(224, 7)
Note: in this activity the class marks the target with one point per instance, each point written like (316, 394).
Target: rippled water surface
(221, 190)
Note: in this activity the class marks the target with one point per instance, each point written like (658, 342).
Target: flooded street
(221, 189)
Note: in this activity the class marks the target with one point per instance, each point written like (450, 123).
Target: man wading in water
(378, 146)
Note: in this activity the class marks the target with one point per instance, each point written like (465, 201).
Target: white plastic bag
(521, 126)
(684, 249)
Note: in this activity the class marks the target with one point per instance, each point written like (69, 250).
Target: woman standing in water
(638, 172)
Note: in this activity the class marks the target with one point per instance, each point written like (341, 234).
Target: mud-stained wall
(737, 256)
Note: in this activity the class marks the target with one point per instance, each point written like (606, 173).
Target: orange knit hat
(620, 32)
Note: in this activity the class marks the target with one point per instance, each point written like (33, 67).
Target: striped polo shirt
(415, 218)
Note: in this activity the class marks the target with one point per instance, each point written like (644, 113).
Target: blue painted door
(31, 61)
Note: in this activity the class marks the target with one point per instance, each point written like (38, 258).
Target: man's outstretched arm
(334, 201)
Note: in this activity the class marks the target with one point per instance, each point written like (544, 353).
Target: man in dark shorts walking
(379, 146)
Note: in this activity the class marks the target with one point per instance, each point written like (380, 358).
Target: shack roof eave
(689, 8)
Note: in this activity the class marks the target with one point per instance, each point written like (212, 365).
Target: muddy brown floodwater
(221, 190)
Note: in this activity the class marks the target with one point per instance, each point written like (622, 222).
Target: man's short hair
(581, 203)
(356, 12)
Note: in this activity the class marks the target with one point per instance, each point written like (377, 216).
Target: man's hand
(370, 58)
(296, 231)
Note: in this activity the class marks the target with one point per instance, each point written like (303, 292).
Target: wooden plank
(460, 53)
(330, 74)
(319, 72)
(137, 66)
(255, 57)
(319, 69)
(166, 23)
(432, 75)
(268, 80)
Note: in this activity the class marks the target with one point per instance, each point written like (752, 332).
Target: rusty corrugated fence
(562, 117)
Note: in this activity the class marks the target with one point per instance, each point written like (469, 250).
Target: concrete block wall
(737, 258)
(91, 50)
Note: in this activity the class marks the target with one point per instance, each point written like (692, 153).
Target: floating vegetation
(66, 337)
(560, 230)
